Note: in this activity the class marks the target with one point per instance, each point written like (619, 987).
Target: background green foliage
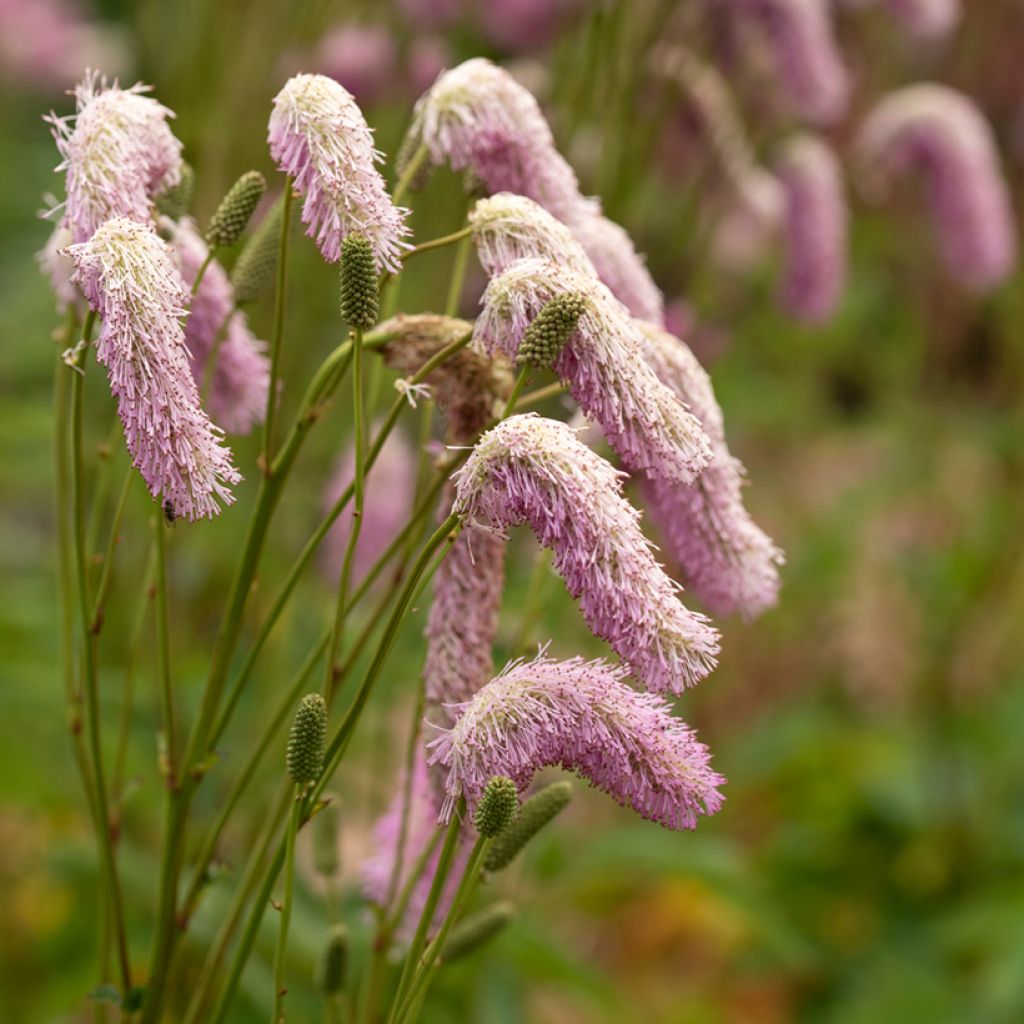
(868, 863)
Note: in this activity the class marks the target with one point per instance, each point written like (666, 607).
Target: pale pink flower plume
(581, 716)
(939, 134)
(601, 365)
(815, 229)
(363, 58)
(536, 471)
(390, 487)
(241, 372)
(57, 268)
(320, 138)
(118, 153)
(725, 558)
(129, 278)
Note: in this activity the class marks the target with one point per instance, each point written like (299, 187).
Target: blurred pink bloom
(428, 56)
(129, 278)
(815, 228)
(926, 18)
(938, 133)
(363, 58)
(707, 341)
(750, 220)
(431, 14)
(57, 267)
(516, 25)
(581, 716)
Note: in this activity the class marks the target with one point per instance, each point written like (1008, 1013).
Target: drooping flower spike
(815, 229)
(581, 716)
(726, 559)
(215, 330)
(128, 276)
(601, 365)
(536, 471)
(118, 153)
(940, 134)
(318, 135)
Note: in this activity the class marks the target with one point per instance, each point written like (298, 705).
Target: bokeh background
(869, 862)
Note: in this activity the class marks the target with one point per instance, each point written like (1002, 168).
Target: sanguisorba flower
(57, 268)
(725, 557)
(128, 276)
(815, 229)
(536, 471)
(118, 153)
(582, 716)
(601, 365)
(940, 134)
(214, 330)
(319, 136)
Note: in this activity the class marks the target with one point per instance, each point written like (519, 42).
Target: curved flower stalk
(57, 268)
(118, 153)
(318, 135)
(582, 716)
(726, 559)
(602, 366)
(241, 372)
(928, 19)
(536, 471)
(470, 388)
(804, 51)
(938, 133)
(129, 278)
(815, 229)
(390, 485)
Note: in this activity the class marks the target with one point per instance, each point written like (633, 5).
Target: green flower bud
(330, 974)
(497, 807)
(547, 335)
(236, 208)
(175, 202)
(359, 301)
(325, 839)
(477, 930)
(532, 817)
(305, 758)
(256, 263)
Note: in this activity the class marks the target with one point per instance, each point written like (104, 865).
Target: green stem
(451, 306)
(277, 1014)
(201, 273)
(541, 394)
(103, 586)
(438, 243)
(407, 176)
(211, 360)
(279, 312)
(164, 651)
(517, 388)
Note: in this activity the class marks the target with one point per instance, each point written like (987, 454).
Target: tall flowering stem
(280, 302)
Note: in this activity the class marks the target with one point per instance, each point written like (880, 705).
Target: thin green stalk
(164, 651)
(279, 316)
(541, 394)
(201, 273)
(211, 359)
(403, 830)
(96, 615)
(438, 243)
(517, 389)
(277, 1014)
(101, 490)
(407, 176)
(451, 306)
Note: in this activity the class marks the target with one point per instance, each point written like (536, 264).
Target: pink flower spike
(602, 366)
(581, 716)
(536, 471)
(318, 135)
(129, 278)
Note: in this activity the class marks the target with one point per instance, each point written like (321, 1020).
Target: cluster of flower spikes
(118, 153)
(215, 329)
(726, 559)
(477, 118)
(536, 471)
(319, 137)
(582, 716)
(129, 278)
(939, 133)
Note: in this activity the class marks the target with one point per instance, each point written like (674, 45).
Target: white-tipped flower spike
(940, 134)
(128, 276)
(318, 135)
(726, 559)
(927, 19)
(536, 471)
(241, 372)
(118, 153)
(582, 716)
(602, 366)
(805, 53)
(815, 229)
(57, 267)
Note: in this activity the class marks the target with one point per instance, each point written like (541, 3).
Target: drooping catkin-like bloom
(215, 330)
(601, 365)
(118, 153)
(390, 486)
(470, 388)
(815, 229)
(927, 19)
(940, 134)
(57, 268)
(582, 716)
(536, 471)
(318, 135)
(805, 53)
(129, 278)
(726, 559)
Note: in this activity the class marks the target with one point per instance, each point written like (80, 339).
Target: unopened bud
(254, 268)
(359, 301)
(305, 758)
(236, 209)
(333, 962)
(497, 807)
(550, 329)
(532, 817)
(325, 839)
(477, 930)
